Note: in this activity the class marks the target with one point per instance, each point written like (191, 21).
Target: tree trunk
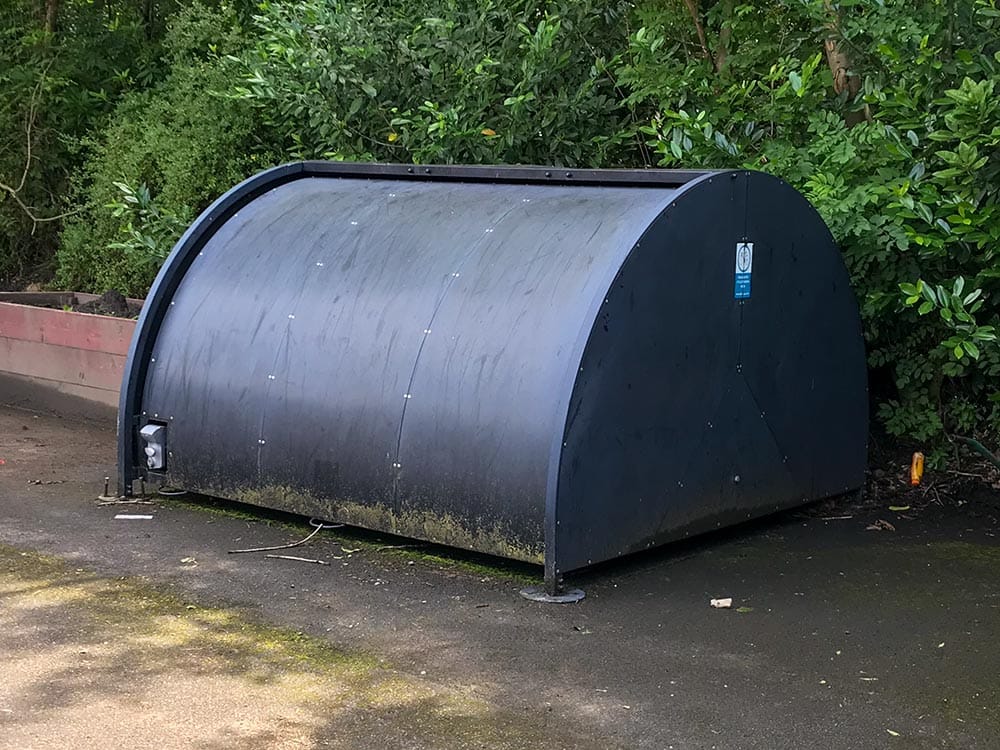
(149, 17)
(725, 35)
(692, 6)
(51, 15)
(840, 65)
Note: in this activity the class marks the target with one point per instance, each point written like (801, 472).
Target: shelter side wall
(707, 398)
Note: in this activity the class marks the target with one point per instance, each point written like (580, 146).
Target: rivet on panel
(397, 466)
(392, 195)
(319, 264)
(489, 230)
(569, 174)
(548, 174)
(152, 359)
(736, 479)
(456, 274)
(291, 316)
(407, 395)
(354, 223)
(156, 416)
(427, 331)
(525, 200)
(261, 442)
(270, 377)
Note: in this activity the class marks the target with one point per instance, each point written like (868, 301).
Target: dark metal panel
(804, 357)
(688, 413)
(190, 244)
(489, 380)
(283, 360)
(320, 313)
(158, 300)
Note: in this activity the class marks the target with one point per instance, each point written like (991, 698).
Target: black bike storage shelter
(557, 366)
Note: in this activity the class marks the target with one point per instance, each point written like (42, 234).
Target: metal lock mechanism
(155, 437)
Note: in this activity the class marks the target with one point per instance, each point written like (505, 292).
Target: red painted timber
(62, 363)
(96, 333)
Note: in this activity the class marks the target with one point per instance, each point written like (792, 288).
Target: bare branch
(29, 124)
(30, 212)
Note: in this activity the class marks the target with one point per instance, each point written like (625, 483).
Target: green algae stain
(426, 553)
(438, 528)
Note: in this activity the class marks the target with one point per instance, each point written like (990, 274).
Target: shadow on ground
(80, 649)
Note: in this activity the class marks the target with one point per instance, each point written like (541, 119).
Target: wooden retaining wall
(76, 354)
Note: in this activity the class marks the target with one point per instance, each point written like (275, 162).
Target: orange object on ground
(916, 468)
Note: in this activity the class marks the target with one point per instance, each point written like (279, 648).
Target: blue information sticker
(744, 267)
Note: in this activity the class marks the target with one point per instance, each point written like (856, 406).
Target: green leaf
(925, 307)
(971, 348)
(972, 297)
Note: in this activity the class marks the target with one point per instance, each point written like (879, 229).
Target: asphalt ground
(147, 633)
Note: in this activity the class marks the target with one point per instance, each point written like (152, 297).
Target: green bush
(911, 191)
(54, 87)
(182, 140)
(896, 141)
(445, 81)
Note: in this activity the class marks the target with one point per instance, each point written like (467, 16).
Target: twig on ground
(319, 527)
(299, 559)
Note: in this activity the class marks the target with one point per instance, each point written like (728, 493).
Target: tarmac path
(146, 633)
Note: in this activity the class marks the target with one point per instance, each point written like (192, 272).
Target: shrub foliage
(120, 120)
